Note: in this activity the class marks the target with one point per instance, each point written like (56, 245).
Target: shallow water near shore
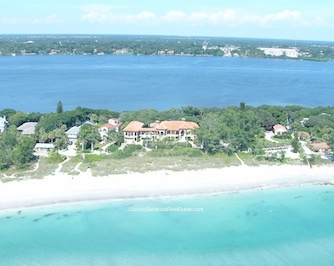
(261, 227)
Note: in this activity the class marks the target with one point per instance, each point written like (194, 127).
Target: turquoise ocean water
(285, 226)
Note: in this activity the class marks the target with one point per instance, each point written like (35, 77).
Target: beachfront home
(321, 146)
(43, 149)
(27, 128)
(3, 124)
(72, 134)
(279, 129)
(182, 130)
(113, 124)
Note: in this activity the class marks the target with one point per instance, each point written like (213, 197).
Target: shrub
(90, 158)
(112, 148)
(55, 157)
(118, 154)
(284, 135)
(177, 151)
(126, 152)
(130, 149)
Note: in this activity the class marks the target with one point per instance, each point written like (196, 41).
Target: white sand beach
(62, 188)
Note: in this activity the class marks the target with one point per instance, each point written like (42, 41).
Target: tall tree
(17, 119)
(209, 133)
(59, 107)
(295, 143)
(23, 152)
(89, 135)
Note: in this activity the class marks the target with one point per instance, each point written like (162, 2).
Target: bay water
(284, 226)
(126, 82)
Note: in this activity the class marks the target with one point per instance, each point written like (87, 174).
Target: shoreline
(65, 189)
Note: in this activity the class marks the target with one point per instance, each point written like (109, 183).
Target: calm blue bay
(37, 83)
(286, 226)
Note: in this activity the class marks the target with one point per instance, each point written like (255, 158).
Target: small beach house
(279, 129)
(43, 149)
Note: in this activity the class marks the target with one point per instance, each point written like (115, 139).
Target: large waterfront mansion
(135, 131)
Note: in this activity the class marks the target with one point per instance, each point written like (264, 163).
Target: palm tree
(89, 134)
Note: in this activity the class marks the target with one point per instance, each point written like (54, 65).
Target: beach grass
(44, 169)
(69, 166)
(142, 163)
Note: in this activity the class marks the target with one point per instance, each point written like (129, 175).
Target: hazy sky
(283, 19)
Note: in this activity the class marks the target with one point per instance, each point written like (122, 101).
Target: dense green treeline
(15, 149)
(318, 122)
(153, 45)
(231, 129)
(227, 130)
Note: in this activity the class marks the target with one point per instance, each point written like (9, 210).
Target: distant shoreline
(65, 189)
(177, 55)
(103, 44)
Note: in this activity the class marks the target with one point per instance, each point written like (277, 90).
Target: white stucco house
(113, 124)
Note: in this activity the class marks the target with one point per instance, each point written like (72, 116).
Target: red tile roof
(279, 127)
(107, 125)
(303, 134)
(134, 126)
(321, 146)
(110, 126)
(164, 125)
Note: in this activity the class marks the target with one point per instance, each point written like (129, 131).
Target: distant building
(3, 124)
(182, 130)
(279, 129)
(27, 128)
(289, 52)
